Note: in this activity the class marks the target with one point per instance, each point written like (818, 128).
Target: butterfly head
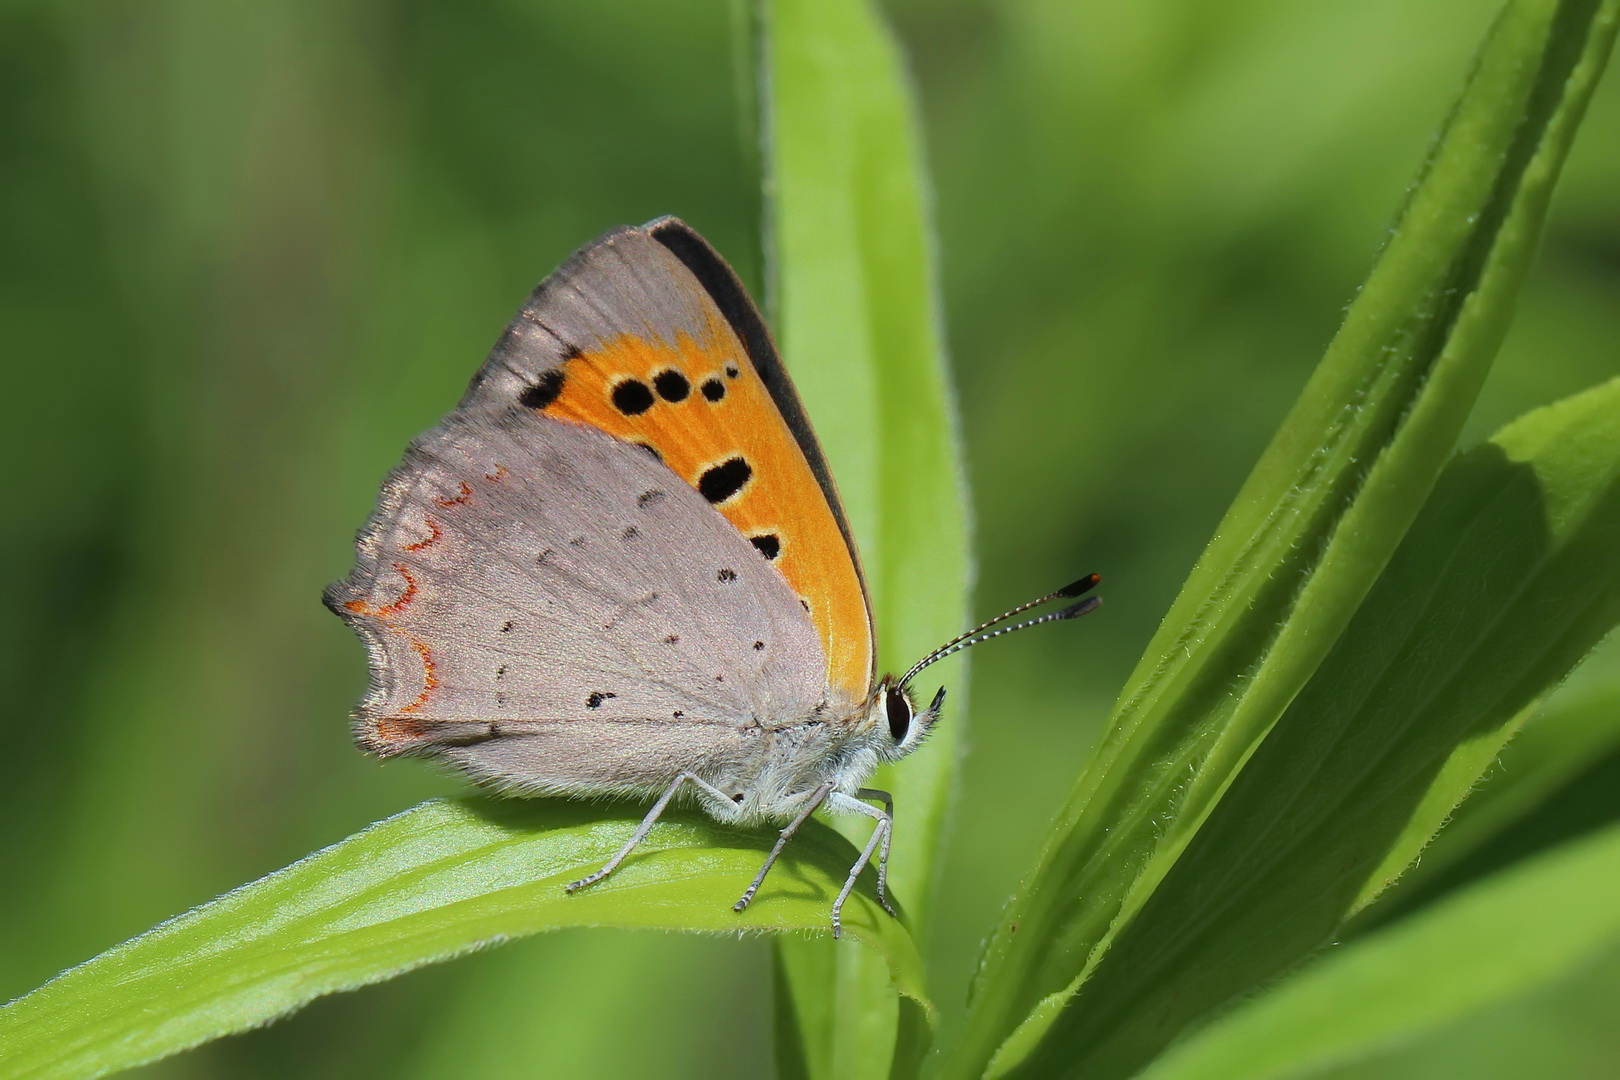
(897, 725)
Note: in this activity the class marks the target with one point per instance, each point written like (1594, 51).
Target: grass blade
(1555, 781)
(1498, 938)
(1314, 525)
(856, 316)
(422, 886)
(1500, 587)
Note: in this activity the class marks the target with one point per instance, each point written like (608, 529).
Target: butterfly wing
(534, 580)
(647, 335)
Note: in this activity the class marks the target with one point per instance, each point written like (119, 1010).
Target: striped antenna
(978, 634)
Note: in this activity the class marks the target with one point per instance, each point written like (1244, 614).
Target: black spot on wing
(506, 627)
(768, 544)
(759, 646)
(594, 701)
(630, 533)
(726, 575)
(731, 371)
(647, 498)
(713, 389)
(632, 397)
(671, 385)
(722, 481)
(543, 391)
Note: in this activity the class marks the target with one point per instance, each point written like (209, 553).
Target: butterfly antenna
(979, 633)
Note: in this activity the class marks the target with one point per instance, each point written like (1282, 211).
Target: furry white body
(754, 774)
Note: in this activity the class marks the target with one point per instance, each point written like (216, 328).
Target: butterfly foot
(742, 904)
(886, 906)
(575, 886)
(837, 927)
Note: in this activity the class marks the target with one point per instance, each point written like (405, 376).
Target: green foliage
(1527, 926)
(1546, 787)
(1289, 567)
(854, 306)
(1498, 589)
(425, 885)
(1142, 216)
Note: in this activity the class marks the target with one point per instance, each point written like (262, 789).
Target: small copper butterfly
(620, 566)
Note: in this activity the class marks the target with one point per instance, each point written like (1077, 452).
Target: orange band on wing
(704, 411)
(388, 611)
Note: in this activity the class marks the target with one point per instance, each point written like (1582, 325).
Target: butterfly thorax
(839, 746)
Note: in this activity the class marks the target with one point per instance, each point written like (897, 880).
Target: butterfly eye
(899, 709)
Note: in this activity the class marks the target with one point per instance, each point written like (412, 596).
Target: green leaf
(853, 286)
(1498, 938)
(1556, 780)
(1503, 583)
(1310, 531)
(428, 884)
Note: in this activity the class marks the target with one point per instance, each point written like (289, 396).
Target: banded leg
(812, 800)
(880, 836)
(883, 854)
(646, 826)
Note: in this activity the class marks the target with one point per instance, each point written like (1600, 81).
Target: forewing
(647, 335)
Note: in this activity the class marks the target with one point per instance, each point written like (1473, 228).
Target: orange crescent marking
(460, 500)
(388, 611)
(400, 728)
(781, 497)
(430, 678)
(420, 544)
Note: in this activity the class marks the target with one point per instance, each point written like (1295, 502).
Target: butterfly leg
(814, 799)
(880, 837)
(876, 795)
(646, 826)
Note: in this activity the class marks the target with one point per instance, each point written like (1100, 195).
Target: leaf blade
(1501, 936)
(423, 886)
(1498, 590)
(855, 310)
(1319, 516)
(1543, 787)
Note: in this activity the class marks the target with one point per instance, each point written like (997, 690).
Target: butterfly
(620, 567)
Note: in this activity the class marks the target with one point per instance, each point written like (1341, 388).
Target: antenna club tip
(1076, 588)
(1084, 607)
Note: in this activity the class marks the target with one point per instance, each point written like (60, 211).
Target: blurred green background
(251, 249)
